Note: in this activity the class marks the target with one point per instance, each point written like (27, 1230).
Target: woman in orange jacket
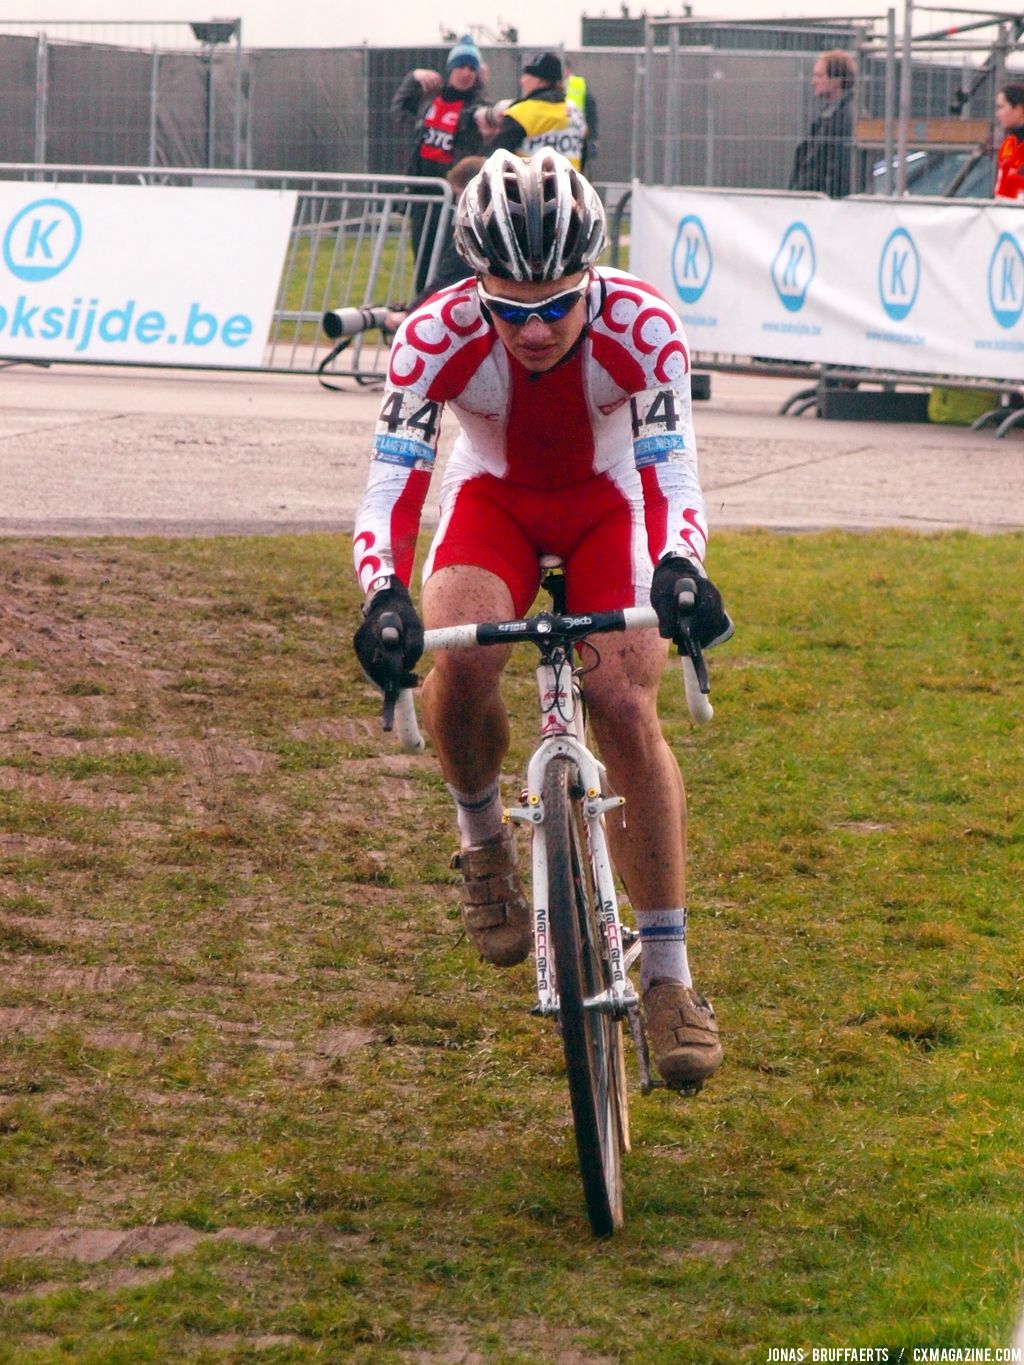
(1010, 165)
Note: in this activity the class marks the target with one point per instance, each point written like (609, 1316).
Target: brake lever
(387, 710)
(696, 656)
(687, 600)
(391, 642)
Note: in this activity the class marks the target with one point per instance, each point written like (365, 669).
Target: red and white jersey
(617, 407)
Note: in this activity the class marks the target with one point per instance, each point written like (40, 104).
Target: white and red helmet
(529, 218)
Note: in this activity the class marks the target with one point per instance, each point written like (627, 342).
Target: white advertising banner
(928, 288)
(153, 274)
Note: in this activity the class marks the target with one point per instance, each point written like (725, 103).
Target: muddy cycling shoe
(683, 1034)
(494, 909)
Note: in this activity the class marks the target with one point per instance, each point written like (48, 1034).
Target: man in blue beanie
(464, 53)
(439, 113)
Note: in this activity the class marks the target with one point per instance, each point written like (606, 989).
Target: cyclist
(570, 383)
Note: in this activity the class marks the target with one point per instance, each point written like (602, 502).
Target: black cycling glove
(707, 619)
(390, 640)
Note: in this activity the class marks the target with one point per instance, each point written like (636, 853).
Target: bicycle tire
(591, 1040)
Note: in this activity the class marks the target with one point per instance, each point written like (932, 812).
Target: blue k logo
(691, 259)
(42, 240)
(899, 274)
(794, 267)
(1006, 281)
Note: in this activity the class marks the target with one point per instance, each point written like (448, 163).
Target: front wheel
(591, 1039)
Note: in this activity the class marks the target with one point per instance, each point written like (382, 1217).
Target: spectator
(543, 117)
(440, 114)
(1010, 165)
(822, 161)
(578, 92)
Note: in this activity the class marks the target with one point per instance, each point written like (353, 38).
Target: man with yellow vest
(577, 92)
(543, 117)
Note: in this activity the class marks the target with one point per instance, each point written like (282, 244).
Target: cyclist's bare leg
(649, 845)
(649, 838)
(467, 721)
(462, 705)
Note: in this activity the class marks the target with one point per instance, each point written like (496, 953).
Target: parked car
(967, 174)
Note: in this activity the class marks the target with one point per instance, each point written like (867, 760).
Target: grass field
(259, 1100)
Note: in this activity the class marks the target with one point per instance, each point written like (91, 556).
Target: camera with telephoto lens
(348, 322)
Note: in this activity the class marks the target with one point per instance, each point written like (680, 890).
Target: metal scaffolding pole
(905, 88)
(42, 95)
(890, 98)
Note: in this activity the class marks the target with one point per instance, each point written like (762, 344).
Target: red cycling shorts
(594, 526)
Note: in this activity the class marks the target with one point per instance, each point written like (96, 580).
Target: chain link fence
(718, 105)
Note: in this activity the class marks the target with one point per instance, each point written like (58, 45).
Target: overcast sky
(400, 23)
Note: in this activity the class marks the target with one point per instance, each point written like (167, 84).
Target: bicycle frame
(562, 733)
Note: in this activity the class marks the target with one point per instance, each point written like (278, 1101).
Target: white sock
(478, 814)
(663, 935)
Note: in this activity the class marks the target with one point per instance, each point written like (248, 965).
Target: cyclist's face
(538, 345)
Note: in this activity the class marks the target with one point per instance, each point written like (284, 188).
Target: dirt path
(97, 451)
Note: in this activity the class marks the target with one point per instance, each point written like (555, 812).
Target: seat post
(553, 581)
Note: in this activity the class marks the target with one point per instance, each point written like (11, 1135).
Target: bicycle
(582, 951)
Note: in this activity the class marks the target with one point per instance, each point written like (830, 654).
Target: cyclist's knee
(462, 592)
(626, 715)
(462, 676)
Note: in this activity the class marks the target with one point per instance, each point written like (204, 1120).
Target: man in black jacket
(822, 160)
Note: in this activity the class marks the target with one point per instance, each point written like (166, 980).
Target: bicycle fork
(562, 736)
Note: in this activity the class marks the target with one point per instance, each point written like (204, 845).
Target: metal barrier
(352, 245)
(724, 104)
(366, 359)
(356, 241)
(355, 246)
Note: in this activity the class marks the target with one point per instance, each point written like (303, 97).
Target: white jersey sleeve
(640, 343)
(401, 464)
(435, 354)
(665, 454)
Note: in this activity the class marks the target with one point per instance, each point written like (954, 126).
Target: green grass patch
(236, 1003)
(344, 268)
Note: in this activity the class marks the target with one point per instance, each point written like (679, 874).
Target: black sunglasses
(518, 314)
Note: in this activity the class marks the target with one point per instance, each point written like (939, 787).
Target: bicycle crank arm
(643, 1055)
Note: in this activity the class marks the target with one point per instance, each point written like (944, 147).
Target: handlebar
(541, 629)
